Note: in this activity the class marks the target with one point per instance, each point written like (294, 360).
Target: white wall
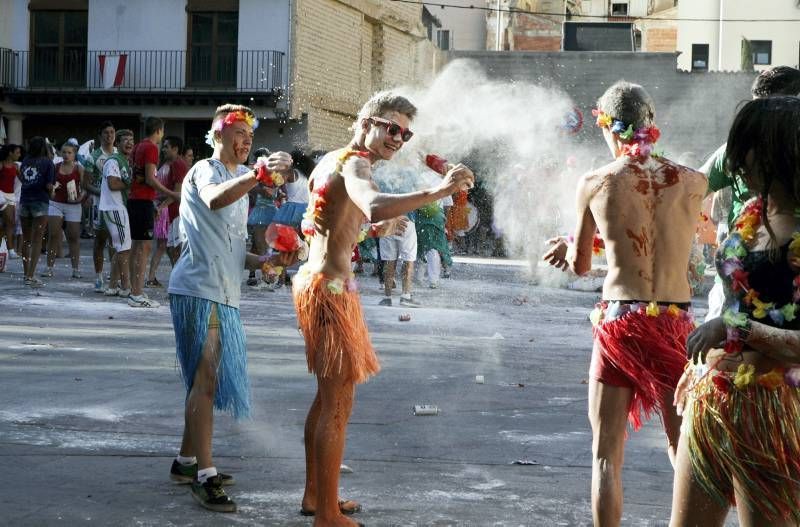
(785, 36)
(139, 25)
(14, 25)
(467, 26)
(264, 25)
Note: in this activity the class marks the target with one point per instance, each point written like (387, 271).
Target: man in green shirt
(780, 80)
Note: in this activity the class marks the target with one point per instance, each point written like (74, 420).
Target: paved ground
(91, 411)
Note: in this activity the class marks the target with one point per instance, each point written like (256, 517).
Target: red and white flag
(112, 70)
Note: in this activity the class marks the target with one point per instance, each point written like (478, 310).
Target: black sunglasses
(393, 128)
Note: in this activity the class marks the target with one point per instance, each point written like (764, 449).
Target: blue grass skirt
(290, 214)
(190, 316)
(262, 215)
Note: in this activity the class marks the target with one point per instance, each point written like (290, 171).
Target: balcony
(69, 73)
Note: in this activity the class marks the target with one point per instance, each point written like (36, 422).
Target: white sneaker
(34, 282)
(141, 301)
(98, 286)
(111, 291)
(12, 255)
(124, 293)
(76, 274)
(48, 273)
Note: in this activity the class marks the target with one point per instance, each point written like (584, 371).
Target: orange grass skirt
(333, 325)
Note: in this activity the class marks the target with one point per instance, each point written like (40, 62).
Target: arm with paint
(577, 256)
(220, 195)
(776, 343)
(378, 206)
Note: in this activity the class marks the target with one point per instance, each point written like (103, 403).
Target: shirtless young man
(646, 210)
(345, 202)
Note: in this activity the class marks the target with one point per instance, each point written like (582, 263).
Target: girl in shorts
(65, 206)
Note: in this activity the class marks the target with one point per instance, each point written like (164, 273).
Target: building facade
(345, 50)
(68, 65)
(738, 35)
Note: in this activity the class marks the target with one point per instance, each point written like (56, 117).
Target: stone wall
(694, 110)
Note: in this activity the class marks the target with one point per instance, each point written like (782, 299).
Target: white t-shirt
(110, 199)
(297, 192)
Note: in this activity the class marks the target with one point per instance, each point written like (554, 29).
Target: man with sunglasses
(344, 205)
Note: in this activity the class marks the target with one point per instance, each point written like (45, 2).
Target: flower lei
(316, 204)
(637, 143)
(229, 119)
(607, 311)
(733, 250)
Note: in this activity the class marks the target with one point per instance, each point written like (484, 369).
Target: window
(619, 9)
(699, 57)
(762, 51)
(58, 48)
(443, 39)
(213, 41)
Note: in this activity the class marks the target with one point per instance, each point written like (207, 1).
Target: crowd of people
(727, 390)
(126, 196)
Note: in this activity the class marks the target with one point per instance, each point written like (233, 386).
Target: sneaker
(252, 281)
(48, 273)
(125, 293)
(111, 291)
(385, 302)
(186, 474)
(98, 285)
(153, 283)
(142, 301)
(445, 273)
(434, 285)
(409, 302)
(76, 274)
(277, 285)
(34, 282)
(261, 285)
(211, 495)
(12, 255)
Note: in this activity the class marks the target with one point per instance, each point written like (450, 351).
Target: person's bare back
(646, 212)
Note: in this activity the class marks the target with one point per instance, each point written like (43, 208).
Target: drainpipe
(498, 38)
(719, 41)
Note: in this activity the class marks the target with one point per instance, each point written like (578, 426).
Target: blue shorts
(33, 209)
(191, 319)
(262, 215)
(290, 214)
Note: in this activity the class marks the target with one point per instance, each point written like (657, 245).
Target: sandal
(347, 507)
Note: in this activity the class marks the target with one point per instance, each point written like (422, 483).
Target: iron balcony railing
(135, 71)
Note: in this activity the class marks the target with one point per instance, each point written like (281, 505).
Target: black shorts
(141, 213)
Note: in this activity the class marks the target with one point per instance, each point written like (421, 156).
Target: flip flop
(344, 510)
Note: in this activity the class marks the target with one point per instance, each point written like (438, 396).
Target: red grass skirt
(648, 353)
(333, 325)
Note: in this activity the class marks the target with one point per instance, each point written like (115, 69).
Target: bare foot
(348, 507)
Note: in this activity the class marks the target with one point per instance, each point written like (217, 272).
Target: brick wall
(345, 50)
(694, 110)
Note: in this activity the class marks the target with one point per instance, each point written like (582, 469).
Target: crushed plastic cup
(426, 409)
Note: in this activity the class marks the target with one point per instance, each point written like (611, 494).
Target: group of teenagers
(120, 187)
(727, 390)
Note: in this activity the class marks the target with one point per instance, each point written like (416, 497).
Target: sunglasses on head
(393, 128)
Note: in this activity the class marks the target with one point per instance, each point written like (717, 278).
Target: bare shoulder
(694, 179)
(358, 167)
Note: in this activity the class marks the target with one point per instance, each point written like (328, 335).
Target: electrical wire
(604, 17)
